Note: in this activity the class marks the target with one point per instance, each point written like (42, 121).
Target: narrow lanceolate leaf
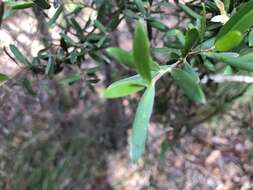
(141, 123)
(251, 38)
(176, 33)
(154, 66)
(3, 77)
(125, 87)
(191, 39)
(78, 29)
(141, 51)
(122, 56)
(164, 147)
(189, 69)
(140, 6)
(229, 41)
(158, 24)
(42, 4)
(209, 65)
(50, 67)
(70, 79)
(189, 85)
(55, 17)
(1, 12)
(241, 21)
(19, 56)
(22, 5)
(126, 58)
(28, 86)
(189, 11)
(228, 70)
(241, 62)
(100, 26)
(227, 4)
(202, 29)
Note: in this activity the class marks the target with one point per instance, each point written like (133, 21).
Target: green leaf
(3, 77)
(1, 12)
(176, 33)
(50, 67)
(241, 21)
(101, 41)
(28, 86)
(100, 26)
(140, 6)
(125, 87)
(164, 147)
(74, 56)
(78, 28)
(228, 70)
(251, 38)
(244, 62)
(164, 50)
(188, 68)
(67, 40)
(229, 41)
(189, 11)
(21, 5)
(191, 39)
(154, 66)
(55, 17)
(189, 85)
(202, 28)
(70, 79)
(19, 56)
(126, 58)
(141, 123)
(209, 65)
(206, 44)
(122, 56)
(42, 4)
(227, 4)
(141, 51)
(158, 24)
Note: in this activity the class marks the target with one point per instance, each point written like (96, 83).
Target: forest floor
(60, 141)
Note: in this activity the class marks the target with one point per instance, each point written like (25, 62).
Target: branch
(220, 78)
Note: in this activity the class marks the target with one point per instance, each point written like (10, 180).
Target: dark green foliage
(141, 122)
(22, 5)
(1, 12)
(44, 4)
(3, 77)
(189, 84)
(191, 38)
(19, 56)
(141, 51)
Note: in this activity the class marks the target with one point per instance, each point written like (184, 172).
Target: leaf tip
(229, 41)
(135, 153)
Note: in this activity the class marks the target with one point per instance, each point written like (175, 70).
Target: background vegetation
(59, 132)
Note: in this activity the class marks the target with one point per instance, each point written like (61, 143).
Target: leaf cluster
(199, 47)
